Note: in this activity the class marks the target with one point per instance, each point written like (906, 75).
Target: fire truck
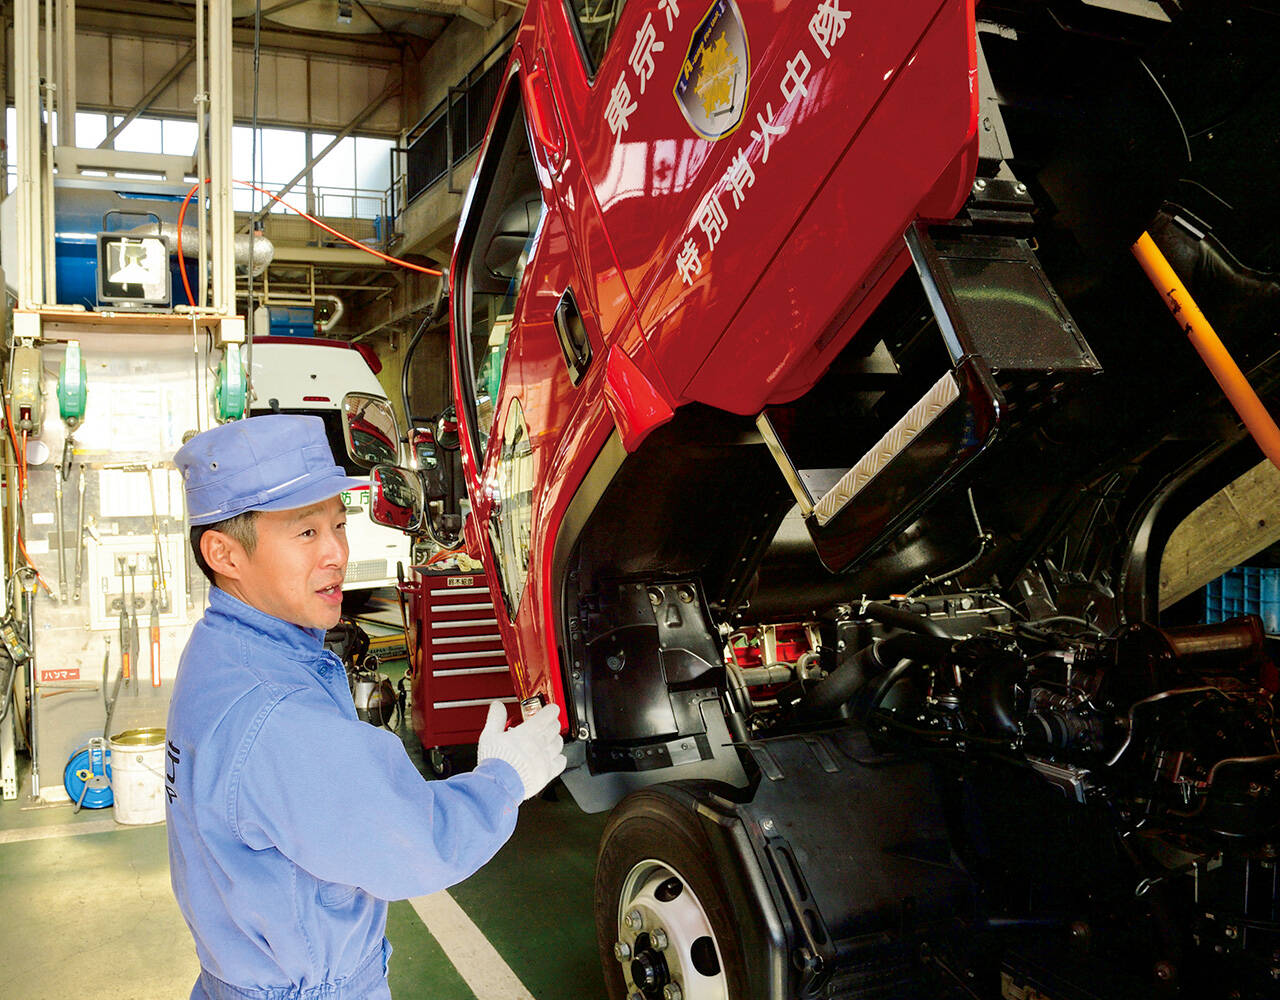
(826, 434)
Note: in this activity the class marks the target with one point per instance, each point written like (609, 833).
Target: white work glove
(534, 747)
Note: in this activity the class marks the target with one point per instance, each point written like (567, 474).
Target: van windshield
(332, 430)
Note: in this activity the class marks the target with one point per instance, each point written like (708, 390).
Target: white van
(311, 375)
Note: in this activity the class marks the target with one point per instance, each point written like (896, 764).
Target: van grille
(367, 569)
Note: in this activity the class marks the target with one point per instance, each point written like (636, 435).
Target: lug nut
(658, 939)
(672, 991)
(633, 920)
(621, 951)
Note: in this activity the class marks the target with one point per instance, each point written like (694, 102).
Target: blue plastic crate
(1245, 590)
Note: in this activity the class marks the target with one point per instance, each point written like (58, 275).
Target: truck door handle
(572, 334)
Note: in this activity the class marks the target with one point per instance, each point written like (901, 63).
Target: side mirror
(422, 448)
(369, 430)
(396, 498)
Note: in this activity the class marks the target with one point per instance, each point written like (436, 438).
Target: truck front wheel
(664, 921)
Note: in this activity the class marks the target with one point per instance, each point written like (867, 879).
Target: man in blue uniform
(291, 822)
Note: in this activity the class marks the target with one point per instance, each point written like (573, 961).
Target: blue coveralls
(291, 822)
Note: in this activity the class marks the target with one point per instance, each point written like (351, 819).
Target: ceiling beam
(128, 20)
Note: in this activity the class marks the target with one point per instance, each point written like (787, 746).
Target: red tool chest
(460, 666)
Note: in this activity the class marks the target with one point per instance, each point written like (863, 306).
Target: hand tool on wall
(155, 531)
(79, 536)
(58, 478)
(115, 692)
(155, 627)
(125, 661)
(135, 646)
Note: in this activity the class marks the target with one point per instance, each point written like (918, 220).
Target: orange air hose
(182, 214)
(1210, 348)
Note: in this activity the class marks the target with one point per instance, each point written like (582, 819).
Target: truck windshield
(595, 21)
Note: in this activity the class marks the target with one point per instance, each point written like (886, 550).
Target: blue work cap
(281, 461)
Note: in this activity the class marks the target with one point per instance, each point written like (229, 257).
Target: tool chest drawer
(460, 664)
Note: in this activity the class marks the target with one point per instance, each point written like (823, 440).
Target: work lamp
(133, 271)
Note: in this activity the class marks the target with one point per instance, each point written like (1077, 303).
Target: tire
(356, 601)
(655, 859)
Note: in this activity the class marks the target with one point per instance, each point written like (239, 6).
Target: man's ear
(223, 554)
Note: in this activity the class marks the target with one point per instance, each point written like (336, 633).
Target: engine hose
(843, 684)
(900, 618)
(1212, 351)
(887, 684)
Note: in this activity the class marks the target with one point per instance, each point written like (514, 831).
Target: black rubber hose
(899, 618)
(437, 309)
(843, 684)
(404, 370)
(885, 685)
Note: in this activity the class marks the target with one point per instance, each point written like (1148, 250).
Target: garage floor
(87, 912)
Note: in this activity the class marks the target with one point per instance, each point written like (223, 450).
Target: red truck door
(527, 345)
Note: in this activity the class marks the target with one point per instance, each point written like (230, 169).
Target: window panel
(283, 152)
(142, 135)
(373, 164)
(179, 137)
(91, 129)
(338, 168)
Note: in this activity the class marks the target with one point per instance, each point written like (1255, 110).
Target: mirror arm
(429, 527)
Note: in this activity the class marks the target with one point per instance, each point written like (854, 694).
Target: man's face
(295, 571)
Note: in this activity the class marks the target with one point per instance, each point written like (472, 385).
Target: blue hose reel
(87, 776)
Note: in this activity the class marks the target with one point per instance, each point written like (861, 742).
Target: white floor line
(62, 830)
(476, 960)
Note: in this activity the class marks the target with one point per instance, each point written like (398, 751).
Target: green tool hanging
(233, 388)
(73, 387)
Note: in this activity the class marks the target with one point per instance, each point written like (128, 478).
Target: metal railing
(449, 132)
(351, 203)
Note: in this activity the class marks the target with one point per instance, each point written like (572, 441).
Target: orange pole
(1210, 348)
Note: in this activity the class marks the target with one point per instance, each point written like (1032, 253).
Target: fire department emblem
(712, 87)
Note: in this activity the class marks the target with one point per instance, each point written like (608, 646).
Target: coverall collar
(296, 641)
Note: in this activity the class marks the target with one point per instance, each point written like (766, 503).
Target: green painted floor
(87, 910)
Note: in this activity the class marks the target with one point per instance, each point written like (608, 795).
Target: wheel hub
(665, 944)
(649, 970)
